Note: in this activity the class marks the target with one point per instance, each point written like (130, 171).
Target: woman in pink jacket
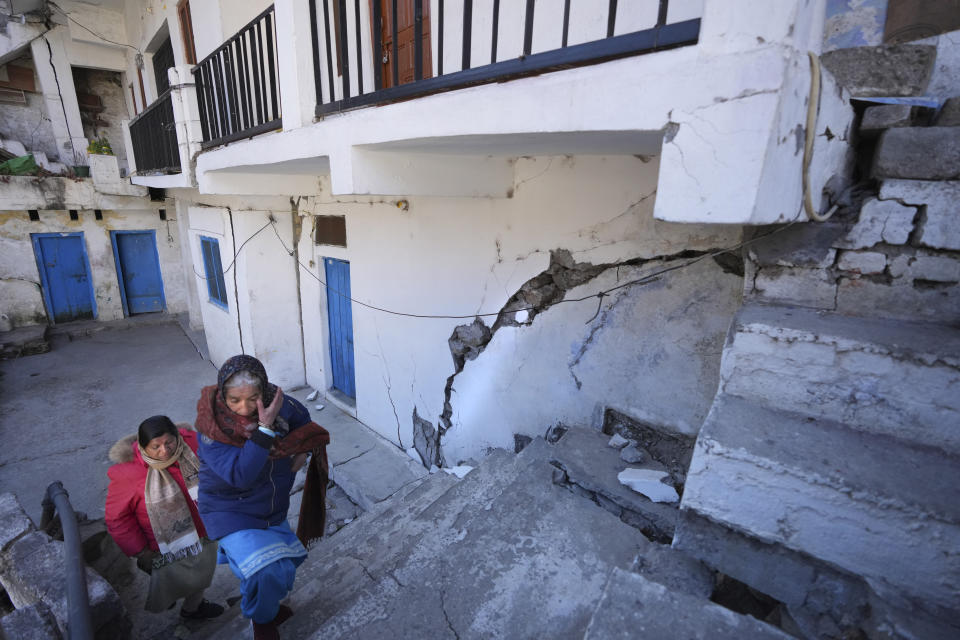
(151, 513)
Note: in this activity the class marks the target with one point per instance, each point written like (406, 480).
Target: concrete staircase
(826, 472)
(507, 552)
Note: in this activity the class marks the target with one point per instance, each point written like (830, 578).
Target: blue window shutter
(213, 270)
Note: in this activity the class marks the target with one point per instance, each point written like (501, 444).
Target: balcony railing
(513, 40)
(154, 137)
(238, 86)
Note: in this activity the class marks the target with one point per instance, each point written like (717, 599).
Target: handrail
(150, 107)
(79, 621)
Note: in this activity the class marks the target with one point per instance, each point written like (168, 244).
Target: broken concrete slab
(633, 606)
(918, 153)
(899, 70)
(802, 245)
(939, 227)
(632, 454)
(886, 221)
(588, 463)
(14, 522)
(24, 341)
(376, 474)
(31, 570)
(34, 622)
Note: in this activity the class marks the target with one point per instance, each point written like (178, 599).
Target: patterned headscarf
(251, 365)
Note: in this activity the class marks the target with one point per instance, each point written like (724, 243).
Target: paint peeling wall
(462, 256)
(20, 291)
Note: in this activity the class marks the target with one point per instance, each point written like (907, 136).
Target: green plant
(100, 146)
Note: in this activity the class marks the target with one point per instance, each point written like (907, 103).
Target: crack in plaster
(594, 330)
(446, 616)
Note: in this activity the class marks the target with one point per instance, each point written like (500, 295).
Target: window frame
(216, 286)
(186, 31)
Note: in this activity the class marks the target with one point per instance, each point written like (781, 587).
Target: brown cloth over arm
(313, 507)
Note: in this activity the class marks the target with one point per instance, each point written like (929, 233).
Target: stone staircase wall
(825, 472)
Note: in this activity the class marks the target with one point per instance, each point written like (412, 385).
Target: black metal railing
(154, 137)
(57, 501)
(238, 85)
(338, 58)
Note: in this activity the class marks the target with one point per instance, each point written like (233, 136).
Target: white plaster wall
(235, 14)
(262, 318)
(461, 256)
(19, 278)
(207, 28)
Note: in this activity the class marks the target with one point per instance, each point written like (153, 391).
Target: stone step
(521, 558)
(634, 607)
(870, 504)
(918, 153)
(49, 165)
(888, 377)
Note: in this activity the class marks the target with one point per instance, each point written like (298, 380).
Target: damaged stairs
(826, 471)
(506, 552)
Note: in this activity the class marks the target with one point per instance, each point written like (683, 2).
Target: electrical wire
(91, 31)
(813, 107)
(236, 253)
(644, 280)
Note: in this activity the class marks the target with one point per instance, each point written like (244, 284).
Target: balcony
(468, 47)
(439, 97)
(153, 136)
(238, 89)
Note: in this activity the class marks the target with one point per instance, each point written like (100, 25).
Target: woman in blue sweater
(253, 440)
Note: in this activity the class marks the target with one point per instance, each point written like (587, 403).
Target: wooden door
(406, 49)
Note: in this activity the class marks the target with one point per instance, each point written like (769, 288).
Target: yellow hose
(812, 108)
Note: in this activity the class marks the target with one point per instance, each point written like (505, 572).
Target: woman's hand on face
(269, 414)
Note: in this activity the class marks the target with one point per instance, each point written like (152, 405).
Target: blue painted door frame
(138, 271)
(340, 319)
(65, 276)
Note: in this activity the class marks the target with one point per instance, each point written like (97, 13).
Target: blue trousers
(263, 591)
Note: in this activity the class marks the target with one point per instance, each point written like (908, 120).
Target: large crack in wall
(535, 296)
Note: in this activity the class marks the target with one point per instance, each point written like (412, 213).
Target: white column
(295, 59)
(53, 67)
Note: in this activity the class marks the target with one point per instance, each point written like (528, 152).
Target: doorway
(64, 276)
(406, 51)
(138, 271)
(340, 319)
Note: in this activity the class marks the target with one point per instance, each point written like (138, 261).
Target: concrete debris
(426, 442)
(313, 396)
(434, 468)
(649, 483)
(901, 70)
(14, 521)
(632, 454)
(618, 441)
(318, 407)
(460, 470)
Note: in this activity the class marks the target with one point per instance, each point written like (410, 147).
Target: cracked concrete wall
(462, 256)
(20, 281)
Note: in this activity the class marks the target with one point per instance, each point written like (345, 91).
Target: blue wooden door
(64, 275)
(340, 318)
(138, 271)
